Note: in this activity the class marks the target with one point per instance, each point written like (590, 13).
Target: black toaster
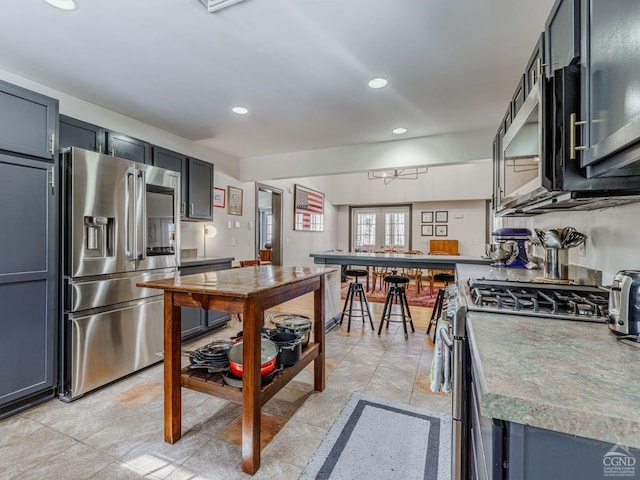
(624, 303)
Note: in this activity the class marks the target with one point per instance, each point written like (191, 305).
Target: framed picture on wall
(427, 230)
(427, 217)
(442, 216)
(441, 231)
(235, 201)
(308, 209)
(219, 197)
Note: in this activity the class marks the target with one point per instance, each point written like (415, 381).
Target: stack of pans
(212, 356)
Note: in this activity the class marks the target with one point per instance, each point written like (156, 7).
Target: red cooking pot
(268, 357)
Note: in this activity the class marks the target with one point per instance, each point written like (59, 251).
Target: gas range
(564, 302)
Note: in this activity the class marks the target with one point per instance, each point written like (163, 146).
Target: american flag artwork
(309, 209)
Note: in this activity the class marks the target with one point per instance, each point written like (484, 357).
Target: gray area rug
(374, 439)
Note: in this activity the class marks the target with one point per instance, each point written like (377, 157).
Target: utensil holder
(556, 263)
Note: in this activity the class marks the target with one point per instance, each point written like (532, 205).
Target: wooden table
(249, 291)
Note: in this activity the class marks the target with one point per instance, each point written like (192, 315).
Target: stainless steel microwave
(523, 150)
(539, 173)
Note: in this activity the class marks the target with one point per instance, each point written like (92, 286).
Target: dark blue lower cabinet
(28, 283)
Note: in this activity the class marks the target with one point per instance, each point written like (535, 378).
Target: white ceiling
(300, 66)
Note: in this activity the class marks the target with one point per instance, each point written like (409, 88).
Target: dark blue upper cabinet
(177, 162)
(611, 87)
(535, 65)
(200, 190)
(28, 123)
(562, 35)
(124, 146)
(76, 133)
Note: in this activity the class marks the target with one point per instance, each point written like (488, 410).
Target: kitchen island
(565, 390)
(249, 291)
(400, 260)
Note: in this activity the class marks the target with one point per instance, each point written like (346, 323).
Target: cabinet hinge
(52, 177)
(52, 143)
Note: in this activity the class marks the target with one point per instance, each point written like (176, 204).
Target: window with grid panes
(377, 228)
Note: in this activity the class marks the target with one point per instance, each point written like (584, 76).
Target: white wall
(434, 150)
(472, 181)
(613, 236)
(298, 245)
(466, 223)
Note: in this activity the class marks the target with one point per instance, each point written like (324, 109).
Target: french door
(380, 228)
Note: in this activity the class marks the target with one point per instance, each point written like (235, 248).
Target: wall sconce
(209, 232)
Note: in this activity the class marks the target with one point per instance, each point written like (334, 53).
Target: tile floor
(116, 432)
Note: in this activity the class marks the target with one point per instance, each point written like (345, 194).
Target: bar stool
(396, 295)
(356, 289)
(436, 312)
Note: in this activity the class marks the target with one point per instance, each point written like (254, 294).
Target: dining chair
(414, 274)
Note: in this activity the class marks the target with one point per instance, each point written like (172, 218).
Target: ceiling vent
(215, 5)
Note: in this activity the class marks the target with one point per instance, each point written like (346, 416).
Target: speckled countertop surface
(571, 377)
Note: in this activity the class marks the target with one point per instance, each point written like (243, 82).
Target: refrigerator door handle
(141, 215)
(129, 226)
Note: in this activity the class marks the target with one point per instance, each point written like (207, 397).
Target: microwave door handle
(129, 233)
(141, 242)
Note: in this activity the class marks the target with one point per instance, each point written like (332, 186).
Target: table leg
(251, 385)
(318, 336)
(172, 367)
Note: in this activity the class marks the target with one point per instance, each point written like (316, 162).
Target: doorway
(269, 223)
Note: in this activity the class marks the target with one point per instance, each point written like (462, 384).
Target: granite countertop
(192, 261)
(567, 376)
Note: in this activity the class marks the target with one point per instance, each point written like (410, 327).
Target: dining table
(249, 291)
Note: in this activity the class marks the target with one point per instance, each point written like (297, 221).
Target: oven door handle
(447, 339)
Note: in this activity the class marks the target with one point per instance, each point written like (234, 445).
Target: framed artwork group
(434, 223)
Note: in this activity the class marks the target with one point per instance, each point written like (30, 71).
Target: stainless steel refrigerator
(121, 225)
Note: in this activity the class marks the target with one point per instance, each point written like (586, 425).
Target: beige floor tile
(391, 394)
(77, 462)
(219, 419)
(159, 458)
(295, 444)
(394, 378)
(218, 460)
(19, 456)
(122, 471)
(140, 395)
(14, 429)
(321, 409)
(124, 433)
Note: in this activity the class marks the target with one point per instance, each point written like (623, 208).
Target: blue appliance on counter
(519, 235)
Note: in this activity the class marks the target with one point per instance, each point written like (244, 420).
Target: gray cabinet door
(76, 133)
(177, 162)
(129, 148)
(28, 279)
(200, 204)
(612, 88)
(562, 35)
(28, 123)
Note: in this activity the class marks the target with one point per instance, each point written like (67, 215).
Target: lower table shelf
(213, 384)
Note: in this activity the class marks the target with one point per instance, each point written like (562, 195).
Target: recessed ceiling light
(399, 130)
(63, 4)
(378, 82)
(240, 110)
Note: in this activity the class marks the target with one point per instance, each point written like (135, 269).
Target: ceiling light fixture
(377, 83)
(399, 130)
(215, 5)
(63, 4)
(400, 173)
(240, 110)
